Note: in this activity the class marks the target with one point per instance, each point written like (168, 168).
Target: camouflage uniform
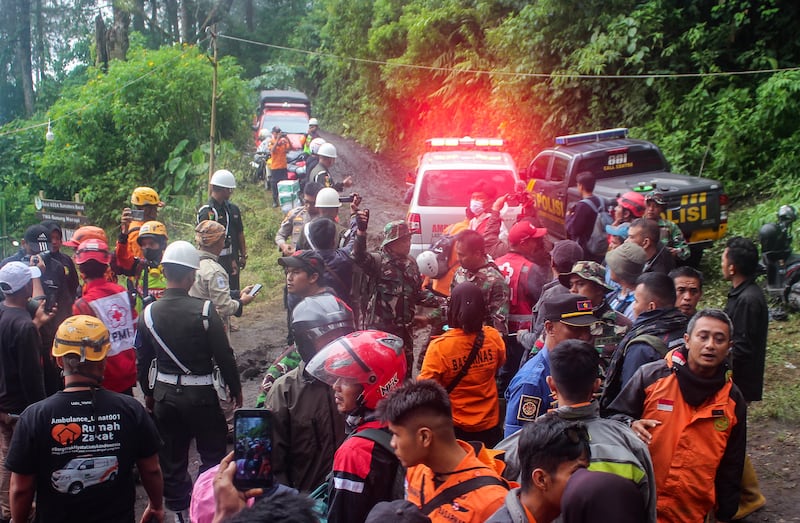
(391, 304)
(672, 236)
(495, 292)
(289, 359)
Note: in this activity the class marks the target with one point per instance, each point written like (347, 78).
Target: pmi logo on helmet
(389, 385)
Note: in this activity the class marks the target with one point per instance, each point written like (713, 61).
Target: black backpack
(597, 243)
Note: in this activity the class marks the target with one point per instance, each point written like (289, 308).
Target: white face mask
(476, 206)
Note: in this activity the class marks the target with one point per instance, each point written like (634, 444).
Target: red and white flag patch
(665, 405)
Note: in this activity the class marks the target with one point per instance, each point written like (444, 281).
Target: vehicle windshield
(288, 123)
(73, 464)
(610, 164)
(452, 188)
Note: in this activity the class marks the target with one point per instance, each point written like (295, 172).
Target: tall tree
(22, 54)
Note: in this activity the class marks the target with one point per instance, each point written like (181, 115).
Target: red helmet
(634, 202)
(373, 359)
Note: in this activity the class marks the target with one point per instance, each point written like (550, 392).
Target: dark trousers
(227, 264)
(277, 175)
(182, 414)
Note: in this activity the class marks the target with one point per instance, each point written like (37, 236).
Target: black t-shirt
(228, 215)
(81, 451)
(21, 382)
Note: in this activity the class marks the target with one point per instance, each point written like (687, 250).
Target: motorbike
(259, 166)
(780, 263)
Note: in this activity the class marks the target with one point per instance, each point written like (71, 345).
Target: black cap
(52, 226)
(309, 261)
(570, 309)
(37, 238)
(276, 129)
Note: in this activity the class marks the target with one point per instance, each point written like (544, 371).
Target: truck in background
(698, 205)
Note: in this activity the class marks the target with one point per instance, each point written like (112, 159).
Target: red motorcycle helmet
(373, 359)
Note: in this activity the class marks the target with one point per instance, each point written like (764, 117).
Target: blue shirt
(528, 395)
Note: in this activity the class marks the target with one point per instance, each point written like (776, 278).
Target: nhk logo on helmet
(389, 385)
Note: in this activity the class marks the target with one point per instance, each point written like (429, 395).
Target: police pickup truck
(620, 164)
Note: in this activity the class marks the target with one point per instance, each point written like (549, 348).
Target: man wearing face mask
(148, 282)
(485, 219)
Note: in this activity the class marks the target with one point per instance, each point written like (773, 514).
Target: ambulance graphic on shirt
(80, 473)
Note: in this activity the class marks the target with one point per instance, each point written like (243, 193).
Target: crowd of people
(548, 381)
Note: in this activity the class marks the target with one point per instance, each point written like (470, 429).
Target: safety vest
(515, 268)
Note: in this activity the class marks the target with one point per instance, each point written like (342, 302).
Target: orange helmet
(87, 232)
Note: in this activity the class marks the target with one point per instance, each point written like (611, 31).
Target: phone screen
(137, 214)
(253, 449)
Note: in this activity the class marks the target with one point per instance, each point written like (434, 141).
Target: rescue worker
(148, 282)
(397, 282)
(478, 267)
(362, 367)
(657, 329)
(56, 237)
(673, 404)
(465, 360)
(327, 205)
(440, 466)
(307, 428)
(645, 234)
(587, 278)
(747, 308)
(671, 235)
(184, 338)
(211, 280)
(279, 146)
(321, 173)
(525, 268)
(625, 264)
(233, 256)
(313, 133)
(49, 457)
(581, 218)
(485, 219)
(551, 450)
(313, 157)
(291, 228)
(630, 206)
(112, 305)
(143, 199)
(688, 289)
(528, 396)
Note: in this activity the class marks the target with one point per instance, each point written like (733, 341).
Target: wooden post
(213, 32)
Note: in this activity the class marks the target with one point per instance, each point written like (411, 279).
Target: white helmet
(224, 178)
(327, 197)
(428, 264)
(327, 149)
(263, 133)
(313, 121)
(315, 144)
(181, 253)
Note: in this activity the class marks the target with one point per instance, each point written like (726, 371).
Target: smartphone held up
(253, 449)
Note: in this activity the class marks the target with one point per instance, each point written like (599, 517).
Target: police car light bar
(464, 143)
(595, 136)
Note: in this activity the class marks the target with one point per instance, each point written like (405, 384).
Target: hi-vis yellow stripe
(625, 470)
(692, 199)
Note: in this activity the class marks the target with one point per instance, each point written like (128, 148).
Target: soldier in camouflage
(587, 278)
(671, 234)
(478, 268)
(390, 299)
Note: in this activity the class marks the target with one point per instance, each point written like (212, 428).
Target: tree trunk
(187, 20)
(117, 36)
(22, 53)
(41, 51)
(100, 43)
(249, 15)
(138, 16)
(172, 19)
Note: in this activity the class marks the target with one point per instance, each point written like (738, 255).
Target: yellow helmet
(145, 196)
(152, 228)
(83, 335)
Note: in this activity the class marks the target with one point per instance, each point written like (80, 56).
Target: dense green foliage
(145, 122)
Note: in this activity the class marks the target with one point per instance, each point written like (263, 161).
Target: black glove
(362, 220)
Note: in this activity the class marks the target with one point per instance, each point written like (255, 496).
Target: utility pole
(213, 32)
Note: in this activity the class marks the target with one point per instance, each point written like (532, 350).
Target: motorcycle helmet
(787, 213)
(428, 264)
(223, 178)
(327, 149)
(181, 253)
(313, 121)
(315, 144)
(318, 320)
(145, 196)
(83, 335)
(373, 359)
(634, 202)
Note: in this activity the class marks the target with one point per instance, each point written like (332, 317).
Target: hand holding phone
(252, 453)
(255, 290)
(137, 215)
